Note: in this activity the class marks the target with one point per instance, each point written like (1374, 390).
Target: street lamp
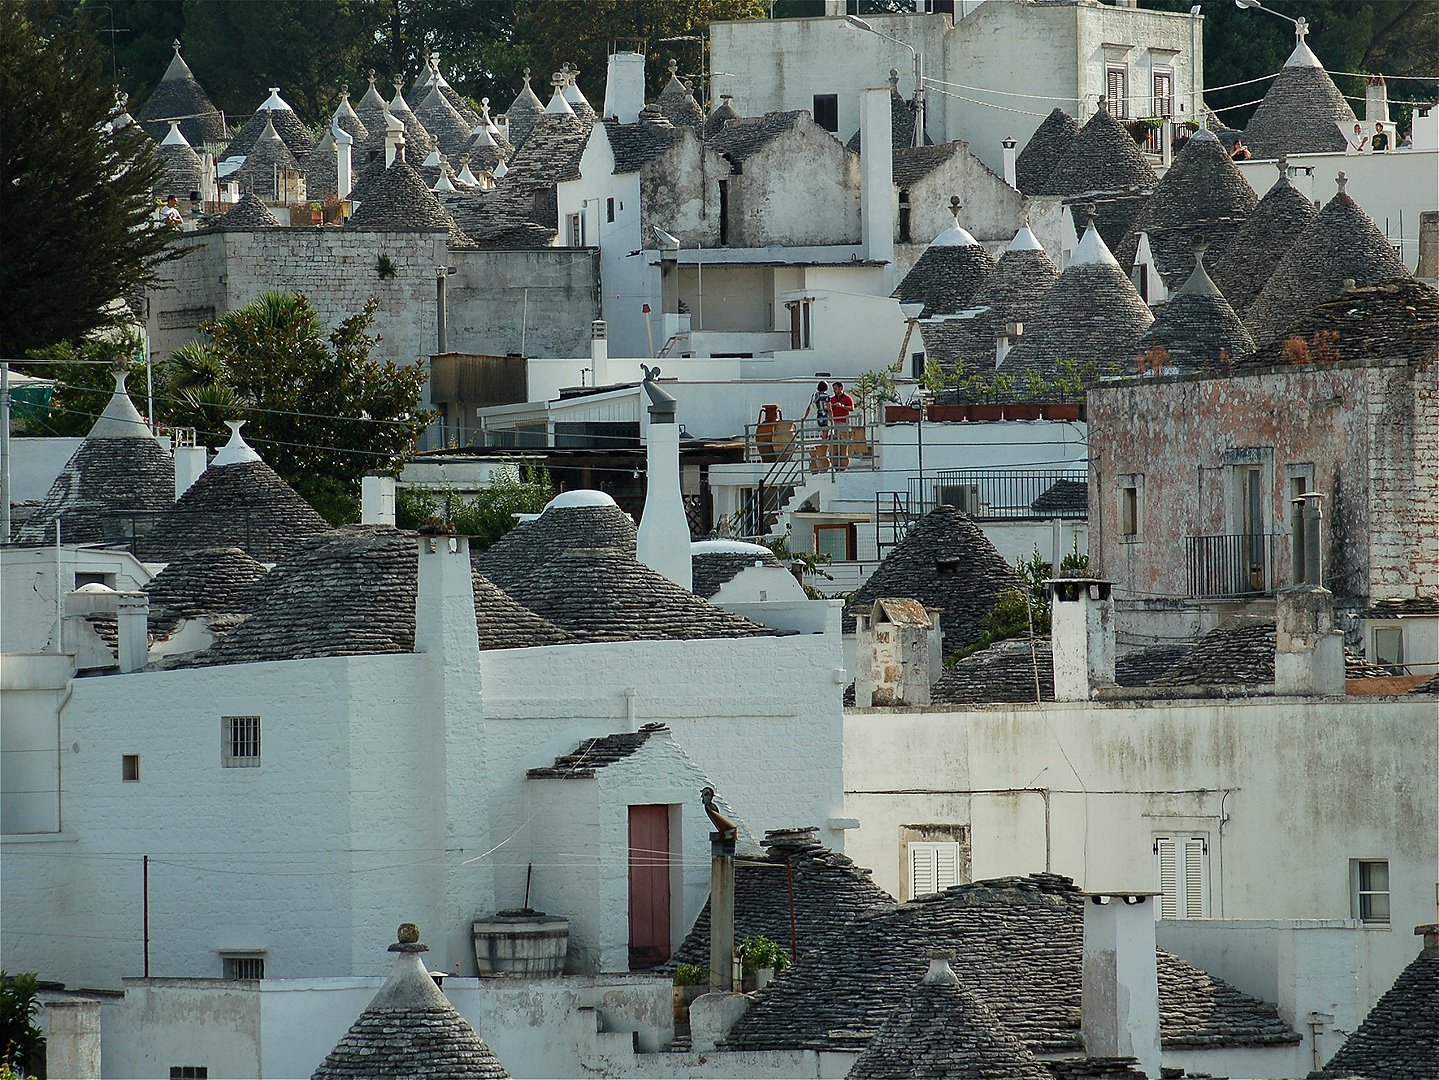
(1301, 26)
(860, 24)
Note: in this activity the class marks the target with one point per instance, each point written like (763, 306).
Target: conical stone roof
(948, 274)
(118, 472)
(322, 176)
(418, 142)
(1262, 241)
(720, 115)
(1201, 194)
(588, 519)
(522, 113)
(1092, 313)
(943, 1030)
(445, 125)
(349, 120)
(411, 1030)
(1046, 148)
(679, 106)
(275, 113)
(1301, 111)
(483, 150)
(398, 200)
(178, 96)
(371, 110)
(205, 581)
(266, 155)
(183, 167)
(430, 76)
(946, 562)
(1342, 242)
(901, 120)
(1198, 328)
(249, 213)
(1103, 158)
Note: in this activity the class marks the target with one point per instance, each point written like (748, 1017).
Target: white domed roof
(727, 547)
(567, 500)
(95, 587)
(954, 236)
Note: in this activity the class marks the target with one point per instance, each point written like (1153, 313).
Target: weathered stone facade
(1171, 458)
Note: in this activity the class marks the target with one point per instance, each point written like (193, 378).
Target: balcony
(1234, 565)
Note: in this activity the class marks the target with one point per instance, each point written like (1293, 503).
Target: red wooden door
(649, 886)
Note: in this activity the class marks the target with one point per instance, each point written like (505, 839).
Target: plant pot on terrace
(1023, 410)
(947, 414)
(901, 414)
(1061, 410)
(986, 412)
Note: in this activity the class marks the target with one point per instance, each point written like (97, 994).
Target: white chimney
(876, 192)
(1081, 636)
(898, 647)
(1308, 650)
(1011, 157)
(394, 137)
(132, 617)
(1119, 1005)
(664, 534)
(377, 500)
(189, 464)
(1005, 340)
(599, 353)
(344, 147)
(1376, 103)
(625, 85)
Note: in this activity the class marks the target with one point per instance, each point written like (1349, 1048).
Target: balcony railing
(1233, 565)
(807, 446)
(999, 494)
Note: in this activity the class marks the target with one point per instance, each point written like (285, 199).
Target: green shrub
(690, 975)
(761, 952)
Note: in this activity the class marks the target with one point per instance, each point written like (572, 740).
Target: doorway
(649, 886)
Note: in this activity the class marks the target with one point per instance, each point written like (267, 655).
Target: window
(799, 324)
(1163, 92)
(240, 747)
(1131, 506)
(1130, 512)
(244, 965)
(904, 216)
(1369, 887)
(916, 365)
(83, 578)
(1181, 873)
(1116, 95)
(933, 866)
(836, 541)
(826, 111)
(609, 209)
(724, 212)
(1389, 648)
(189, 1072)
(130, 768)
(575, 230)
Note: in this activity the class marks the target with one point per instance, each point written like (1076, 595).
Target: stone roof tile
(1046, 148)
(720, 115)
(183, 169)
(291, 129)
(1396, 320)
(398, 200)
(523, 113)
(901, 122)
(945, 278)
(179, 96)
(746, 136)
(247, 214)
(637, 144)
(1262, 241)
(266, 154)
(678, 106)
(203, 581)
(595, 754)
(419, 144)
(913, 163)
(1299, 115)
(444, 123)
(1197, 328)
(1103, 158)
(1011, 293)
(713, 569)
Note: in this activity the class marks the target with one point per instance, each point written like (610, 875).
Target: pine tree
(78, 231)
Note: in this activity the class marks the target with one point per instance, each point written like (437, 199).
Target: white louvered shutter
(1195, 886)
(946, 866)
(922, 873)
(1167, 870)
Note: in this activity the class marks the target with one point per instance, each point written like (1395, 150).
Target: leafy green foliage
(486, 517)
(1024, 611)
(79, 229)
(20, 1038)
(812, 562)
(690, 975)
(83, 383)
(761, 952)
(319, 408)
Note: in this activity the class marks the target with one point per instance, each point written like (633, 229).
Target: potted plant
(691, 980)
(763, 960)
(900, 414)
(978, 388)
(1035, 389)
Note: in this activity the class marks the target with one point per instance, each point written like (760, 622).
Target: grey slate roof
(1399, 1039)
(945, 562)
(942, 1030)
(249, 213)
(901, 122)
(410, 1030)
(714, 569)
(522, 113)
(371, 110)
(1232, 655)
(266, 154)
(1004, 673)
(1046, 148)
(179, 95)
(245, 505)
(1018, 942)
(1010, 294)
(1197, 327)
(594, 754)
(604, 594)
(526, 194)
(1298, 114)
(1202, 194)
(1261, 242)
(1393, 608)
(203, 581)
(1102, 158)
(1396, 320)
(418, 142)
(720, 115)
(1342, 242)
(1113, 215)
(444, 123)
(1430, 686)
(748, 135)
(914, 163)
(829, 892)
(182, 170)
(678, 106)
(637, 144)
(351, 592)
(945, 278)
(397, 200)
(349, 120)
(322, 172)
(291, 129)
(534, 542)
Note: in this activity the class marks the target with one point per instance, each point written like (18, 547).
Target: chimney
(599, 353)
(377, 500)
(896, 649)
(1308, 650)
(876, 191)
(394, 137)
(1011, 156)
(132, 620)
(625, 84)
(1005, 340)
(1081, 636)
(1376, 102)
(190, 462)
(664, 533)
(344, 146)
(207, 177)
(1119, 1010)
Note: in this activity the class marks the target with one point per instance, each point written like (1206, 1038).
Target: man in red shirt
(841, 405)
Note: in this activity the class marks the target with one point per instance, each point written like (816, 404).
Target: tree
(321, 410)
(79, 230)
(136, 36)
(490, 514)
(84, 383)
(20, 1039)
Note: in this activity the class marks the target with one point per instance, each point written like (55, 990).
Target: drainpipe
(5, 453)
(440, 275)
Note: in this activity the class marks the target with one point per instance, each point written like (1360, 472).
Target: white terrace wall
(1285, 792)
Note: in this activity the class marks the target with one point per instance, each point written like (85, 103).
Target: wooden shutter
(1117, 92)
(1195, 886)
(933, 866)
(1182, 876)
(1167, 868)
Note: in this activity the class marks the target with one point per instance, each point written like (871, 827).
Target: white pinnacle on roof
(275, 102)
(1092, 250)
(178, 69)
(485, 119)
(1303, 55)
(568, 500)
(501, 171)
(237, 450)
(558, 104)
(1025, 240)
(443, 184)
(432, 160)
(571, 88)
(120, 420)
(174, 138)
(482, 135)
(1203, 135)
(954, 236)
(466, 177)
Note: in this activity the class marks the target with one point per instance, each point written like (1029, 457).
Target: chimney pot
(1119, 1004)
(1011, 158)
(1081, 636)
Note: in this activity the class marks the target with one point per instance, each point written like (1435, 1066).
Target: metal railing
(1240, 564)
(806, 445)
(1004, 494)
(893, 517)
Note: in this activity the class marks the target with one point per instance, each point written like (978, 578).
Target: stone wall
(538, 302)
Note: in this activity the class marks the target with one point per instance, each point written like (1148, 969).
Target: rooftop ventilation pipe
(599, 353)
(1011, 163)
(663, 543)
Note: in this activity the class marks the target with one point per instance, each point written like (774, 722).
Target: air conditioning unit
(963, 497)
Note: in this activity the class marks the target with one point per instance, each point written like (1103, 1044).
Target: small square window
(244, 967)
(609, 209)
(1369, 879)
(189, 1072)
(130, 768)
(240, 742)
(1389, 648)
